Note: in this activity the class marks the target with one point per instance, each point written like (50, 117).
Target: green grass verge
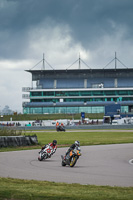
(85, 138)
(16, 189)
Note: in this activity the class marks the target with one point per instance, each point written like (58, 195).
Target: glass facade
(112, 95)
(65, 110)
(82, 93)
(78, 96)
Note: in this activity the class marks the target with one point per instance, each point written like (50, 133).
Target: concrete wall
(6, 141)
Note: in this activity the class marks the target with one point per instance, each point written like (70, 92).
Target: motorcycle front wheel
(42, 157)
(73, 161)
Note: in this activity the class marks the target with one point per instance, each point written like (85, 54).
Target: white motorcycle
(46, 153)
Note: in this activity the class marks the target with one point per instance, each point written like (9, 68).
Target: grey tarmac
(98, 165)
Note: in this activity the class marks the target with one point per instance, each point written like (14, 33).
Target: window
(36, 93)
(97, 93)
(123, 92)
(109, 93)
(124, 109)
(48, 93)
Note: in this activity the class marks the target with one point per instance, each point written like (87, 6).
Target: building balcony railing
(25, 103)
(26, 89)
(25, 96)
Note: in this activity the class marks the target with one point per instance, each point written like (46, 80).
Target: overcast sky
(61, 29)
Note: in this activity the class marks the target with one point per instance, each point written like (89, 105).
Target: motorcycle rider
(53, 145)
(76, 144)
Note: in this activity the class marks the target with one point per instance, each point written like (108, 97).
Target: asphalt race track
(98, 165)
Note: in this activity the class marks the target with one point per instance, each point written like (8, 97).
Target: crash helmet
(54, 142)
(77, 143)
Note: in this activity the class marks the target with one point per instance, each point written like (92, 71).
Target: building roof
(81, 73)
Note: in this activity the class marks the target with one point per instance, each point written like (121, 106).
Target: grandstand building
(79, 90)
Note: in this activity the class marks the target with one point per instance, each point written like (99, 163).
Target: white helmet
(77, 143)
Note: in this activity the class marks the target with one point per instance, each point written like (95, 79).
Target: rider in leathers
(53, 145)
(76, 144)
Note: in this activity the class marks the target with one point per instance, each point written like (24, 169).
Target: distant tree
(6, 111)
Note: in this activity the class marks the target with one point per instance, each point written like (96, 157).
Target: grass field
(20, 117)
(14, 189)
(85, 138)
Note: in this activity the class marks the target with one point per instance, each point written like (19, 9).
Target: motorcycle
(45, 153)
(60, 128)
(72, 157)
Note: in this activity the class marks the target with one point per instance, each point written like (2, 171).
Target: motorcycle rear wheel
(63, 163)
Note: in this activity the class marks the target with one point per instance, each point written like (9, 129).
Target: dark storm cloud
(89, 20)
(61, 29)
